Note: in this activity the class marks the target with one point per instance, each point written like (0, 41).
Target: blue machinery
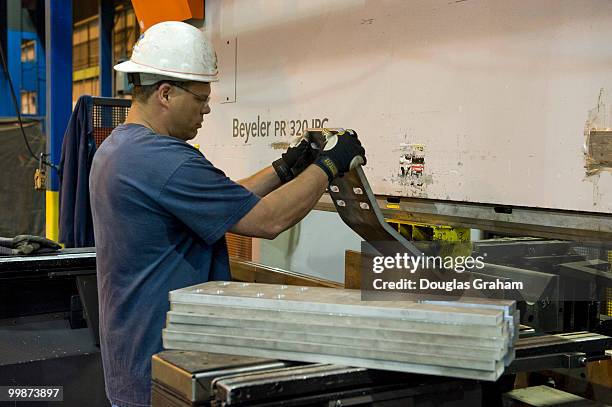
(29, 75)
(48, 76)
(58, 25)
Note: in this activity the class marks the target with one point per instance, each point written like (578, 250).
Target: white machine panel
(476, 100)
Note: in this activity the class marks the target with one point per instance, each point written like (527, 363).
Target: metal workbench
(186, 378)
(48, 325)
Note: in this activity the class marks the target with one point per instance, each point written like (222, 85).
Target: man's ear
(163, 93)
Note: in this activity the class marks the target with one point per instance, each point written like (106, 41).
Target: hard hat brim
(134, 67)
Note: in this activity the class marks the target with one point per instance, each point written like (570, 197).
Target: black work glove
(27, 244)
(295, 160)
(342, 153)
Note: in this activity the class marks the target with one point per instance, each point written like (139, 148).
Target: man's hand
(342, 153)
(295, 160)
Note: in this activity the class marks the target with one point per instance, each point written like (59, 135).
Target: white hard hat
(172, 50)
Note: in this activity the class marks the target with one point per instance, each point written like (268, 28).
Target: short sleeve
(205, 199)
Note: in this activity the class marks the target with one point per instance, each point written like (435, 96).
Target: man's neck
(137, 115)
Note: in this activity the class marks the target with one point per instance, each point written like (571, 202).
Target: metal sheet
(473, 352)
(511, 314)
(520, 222)
(542, 396)
(348, 361)
(316, 299)
(356, 204)
(265, 327)
(251, 317)
(417, 98)
(508, 306)
(304, 323)
(410, 356)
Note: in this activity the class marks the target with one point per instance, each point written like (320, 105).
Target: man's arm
(285, 206)
(288, 204)
(295, 160)
(262, 182)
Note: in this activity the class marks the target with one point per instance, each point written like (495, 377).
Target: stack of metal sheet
(325, 325)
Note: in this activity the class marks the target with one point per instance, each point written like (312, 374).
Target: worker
(161, 208)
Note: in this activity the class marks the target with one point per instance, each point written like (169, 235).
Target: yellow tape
(52, 215)
(87, 73)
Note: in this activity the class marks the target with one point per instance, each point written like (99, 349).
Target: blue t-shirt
(160, 211)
